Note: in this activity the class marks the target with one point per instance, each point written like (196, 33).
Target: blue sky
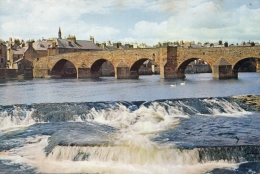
(142, 21)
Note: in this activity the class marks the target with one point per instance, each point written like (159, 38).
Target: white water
(230, 109)
(131, 151)
(109, 159)
(16, 119)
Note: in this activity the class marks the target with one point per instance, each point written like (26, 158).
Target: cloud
(172, 6)
(149, 21)
(33, 19)
(207, 21)
(102, 33)
(145, 29)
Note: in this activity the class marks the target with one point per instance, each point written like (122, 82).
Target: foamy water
(15, 120)
(109, 159)
(130, 148)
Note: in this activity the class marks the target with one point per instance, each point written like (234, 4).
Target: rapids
(192, 135)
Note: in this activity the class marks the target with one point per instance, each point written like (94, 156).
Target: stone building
(71, 44)
(20, 57)
(14, 51)
(4, 71)
(2, 55)
(42, 46)
(24, 65)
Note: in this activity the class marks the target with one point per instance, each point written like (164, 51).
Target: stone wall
(42, 53)
(3, 57)
(25, 69)
(8, 73)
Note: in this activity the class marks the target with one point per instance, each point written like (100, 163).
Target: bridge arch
(63, 68)
(134, 69)
(181, 68)
(249, 64)
(99, 68)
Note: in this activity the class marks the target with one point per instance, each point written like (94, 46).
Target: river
(145, 125)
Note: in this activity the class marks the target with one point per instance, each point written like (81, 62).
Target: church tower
(59, 33)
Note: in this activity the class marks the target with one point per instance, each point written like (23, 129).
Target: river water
(146, 125)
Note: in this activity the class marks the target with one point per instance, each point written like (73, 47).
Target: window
(2, 60)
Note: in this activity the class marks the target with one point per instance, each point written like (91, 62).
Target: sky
(127, 21)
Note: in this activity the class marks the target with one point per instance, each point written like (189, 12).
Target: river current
(146, 125)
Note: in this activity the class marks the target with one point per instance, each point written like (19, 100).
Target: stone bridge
(172, 61)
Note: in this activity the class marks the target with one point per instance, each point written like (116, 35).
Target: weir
(180, 134)
(156, 155)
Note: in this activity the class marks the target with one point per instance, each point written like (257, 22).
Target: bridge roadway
(172, 61)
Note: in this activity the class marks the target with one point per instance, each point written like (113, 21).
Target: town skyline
(126, 21)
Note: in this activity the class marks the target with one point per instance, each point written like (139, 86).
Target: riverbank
(252, 100)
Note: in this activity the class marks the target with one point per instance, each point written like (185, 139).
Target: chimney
(72, 38)
(30, 42)
(103, 45)
(92, 39)
(23, 44)
(188, 44)
(53, 44)
(17, 42)
(10, 41)
(226, 44)
(117, 44)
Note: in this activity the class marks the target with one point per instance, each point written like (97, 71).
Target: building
(42, 46)
(3, 57)
(24, 65)
(16, 59)
(69, 45)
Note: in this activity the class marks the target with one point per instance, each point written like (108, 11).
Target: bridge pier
(224, 72)
(257, 65)
(122, 72)
(125, 73)
(134, 75)
(169, 69)
(87, 73)
(41, 72)
(222, 69)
